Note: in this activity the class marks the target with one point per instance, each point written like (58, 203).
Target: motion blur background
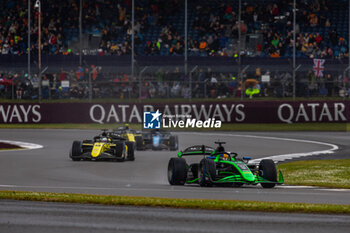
(179, 49)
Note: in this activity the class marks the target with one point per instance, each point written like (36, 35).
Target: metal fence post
(190, 86)
(90, 86)
(140, 81)
(239, 46)
(29, 47)
(294, 38)
(344, 87)
(168, 92)
(13, 89)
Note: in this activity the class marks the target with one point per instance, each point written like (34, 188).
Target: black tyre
(139, 143)
(194, 169)
(119, 151)
(173, 142)
(76, 150)
(177, 172)
(269, 172)
(206, 172)
(131, 150)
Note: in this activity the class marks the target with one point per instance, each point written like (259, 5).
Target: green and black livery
(221, 168)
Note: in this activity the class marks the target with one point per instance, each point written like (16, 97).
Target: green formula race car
(221, 168)
(105, 146)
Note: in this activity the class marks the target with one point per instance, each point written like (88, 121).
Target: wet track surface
(49, 169)
(30, 217)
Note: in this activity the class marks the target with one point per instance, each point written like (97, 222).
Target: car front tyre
(76, 150)
(269, 172)
(177, 172)
(119, 151)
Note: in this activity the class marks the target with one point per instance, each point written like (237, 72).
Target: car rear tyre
(139, 143)
(131, 150)
(206, 172)
(76, 150)
(269, 172)
(119, 151)
(173, 142)
(177, 172)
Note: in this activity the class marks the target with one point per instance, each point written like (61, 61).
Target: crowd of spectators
(213, 30)
(323, 42)
(55, 18)
(213, 27)
(166, 83)
(63, 84)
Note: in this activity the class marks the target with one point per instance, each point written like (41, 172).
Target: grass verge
(225, 127)
(333, 173)
(11, 148)
(178, 203)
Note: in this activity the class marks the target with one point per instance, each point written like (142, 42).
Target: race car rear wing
(196, 150)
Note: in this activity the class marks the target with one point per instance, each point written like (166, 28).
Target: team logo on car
(151, 120)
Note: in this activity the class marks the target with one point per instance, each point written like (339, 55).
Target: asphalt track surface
(37, 217)
(50, 169)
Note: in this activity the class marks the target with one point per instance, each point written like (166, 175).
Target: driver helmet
(104, 139)
(225, 156)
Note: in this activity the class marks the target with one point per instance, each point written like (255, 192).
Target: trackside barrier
(227, 112)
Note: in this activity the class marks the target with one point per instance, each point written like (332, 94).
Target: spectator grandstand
(322, 27)
(266, 30)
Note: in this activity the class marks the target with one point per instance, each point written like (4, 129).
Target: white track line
(25, 145)
(276, 158)
(282, 157)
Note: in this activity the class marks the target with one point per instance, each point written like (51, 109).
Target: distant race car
(157, 140)
(218, 167)
(105, 146)
(127, 133)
